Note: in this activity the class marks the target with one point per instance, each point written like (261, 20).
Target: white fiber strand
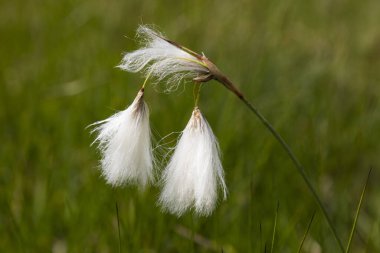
(192, 177)
(161, 59)
(125, 145)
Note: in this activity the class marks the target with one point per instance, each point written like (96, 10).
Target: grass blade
(118, 226)
(306, 232)
(261, 238)
(357, 213)
(274, 228)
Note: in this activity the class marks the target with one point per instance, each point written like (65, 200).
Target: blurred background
(311, 67)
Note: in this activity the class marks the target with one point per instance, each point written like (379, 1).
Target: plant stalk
(218, 76)
(306, 232)
(357, 214)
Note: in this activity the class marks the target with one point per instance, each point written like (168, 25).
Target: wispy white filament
(194, 172)
(124, 141)
(162, 59)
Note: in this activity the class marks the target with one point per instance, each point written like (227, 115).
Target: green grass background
(312, 67)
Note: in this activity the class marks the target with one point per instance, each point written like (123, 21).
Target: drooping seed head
(125, 145)
(194, 173)
(163, 59)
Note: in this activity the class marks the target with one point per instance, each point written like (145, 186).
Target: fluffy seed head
(162, 59)
(125, 145)
(192, 177)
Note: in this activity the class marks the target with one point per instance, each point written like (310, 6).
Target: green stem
(274, 228)
(118, 226)
(196, 92)
(146, 80)
(297, 164)
(357, 214)
(307, 231)
(220, 77)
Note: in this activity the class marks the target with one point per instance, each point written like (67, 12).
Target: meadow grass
(312, 68)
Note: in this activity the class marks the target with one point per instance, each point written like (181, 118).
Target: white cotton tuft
(192, 177)
(162, 59)
(125, 145)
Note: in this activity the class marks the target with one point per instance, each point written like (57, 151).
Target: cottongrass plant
(125, 145)
(192, 177)
(166, 60)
